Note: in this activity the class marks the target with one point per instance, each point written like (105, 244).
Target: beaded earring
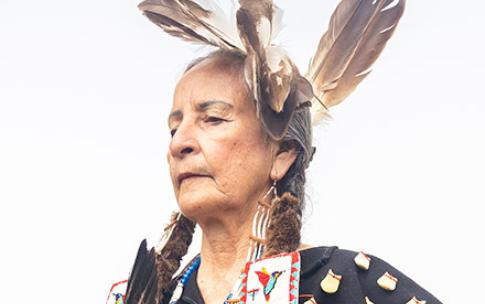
(260, 224)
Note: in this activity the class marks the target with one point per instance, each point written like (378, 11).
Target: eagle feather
(357, 34)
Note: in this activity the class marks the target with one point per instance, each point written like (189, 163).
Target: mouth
(189, 175)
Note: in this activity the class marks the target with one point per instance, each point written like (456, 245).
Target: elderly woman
(240, 146)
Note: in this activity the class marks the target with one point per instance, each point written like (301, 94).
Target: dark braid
(286, 215)
(284, 229)
(177, 246)
(151, 276)
(300, 134)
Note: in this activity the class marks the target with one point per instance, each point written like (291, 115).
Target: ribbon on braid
(153, 270)
(283, 233)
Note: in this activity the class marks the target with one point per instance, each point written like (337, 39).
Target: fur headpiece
(357, 33)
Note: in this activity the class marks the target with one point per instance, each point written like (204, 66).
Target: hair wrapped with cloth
(153, 270)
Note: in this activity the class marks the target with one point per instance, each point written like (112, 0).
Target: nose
(184, 141)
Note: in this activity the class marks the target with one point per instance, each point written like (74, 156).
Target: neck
(225, 244)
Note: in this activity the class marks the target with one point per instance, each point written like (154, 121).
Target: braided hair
(284, 231)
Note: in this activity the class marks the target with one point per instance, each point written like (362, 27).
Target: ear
(283, 160)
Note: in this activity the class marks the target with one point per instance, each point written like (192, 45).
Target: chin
(197, 203)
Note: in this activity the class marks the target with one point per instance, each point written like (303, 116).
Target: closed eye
(210, 119)
(214, 119)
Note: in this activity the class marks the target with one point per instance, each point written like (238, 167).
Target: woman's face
(220, 158)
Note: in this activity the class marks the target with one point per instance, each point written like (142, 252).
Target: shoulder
(346, 276)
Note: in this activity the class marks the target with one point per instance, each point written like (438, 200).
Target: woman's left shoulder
(333, 275)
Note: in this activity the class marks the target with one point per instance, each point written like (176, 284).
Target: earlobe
(282, 163)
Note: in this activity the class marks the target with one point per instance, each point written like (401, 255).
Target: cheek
(240, 166)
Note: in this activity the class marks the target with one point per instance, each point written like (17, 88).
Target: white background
(85, 89)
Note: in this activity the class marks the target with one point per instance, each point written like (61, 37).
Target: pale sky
(85, 90)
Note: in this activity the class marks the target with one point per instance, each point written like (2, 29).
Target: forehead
(211, 79)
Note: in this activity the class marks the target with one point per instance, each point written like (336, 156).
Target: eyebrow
(206, 104)
(177, 114)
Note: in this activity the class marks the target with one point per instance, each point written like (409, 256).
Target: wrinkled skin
(225, 142)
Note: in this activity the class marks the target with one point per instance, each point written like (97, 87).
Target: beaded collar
(275, 278)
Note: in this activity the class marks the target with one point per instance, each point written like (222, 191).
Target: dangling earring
(260, 224)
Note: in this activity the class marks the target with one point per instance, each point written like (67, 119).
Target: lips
(186, 175)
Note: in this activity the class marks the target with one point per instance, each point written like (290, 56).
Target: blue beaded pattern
(177, 294)
(185, 277)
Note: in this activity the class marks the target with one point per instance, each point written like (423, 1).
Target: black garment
(355, 285)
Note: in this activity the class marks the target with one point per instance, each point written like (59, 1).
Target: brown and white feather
(357, 34)
(269, 72)
(194, 21)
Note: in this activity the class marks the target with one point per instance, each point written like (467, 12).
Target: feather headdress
(357, 33)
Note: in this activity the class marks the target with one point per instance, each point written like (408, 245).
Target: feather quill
(357, 34)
